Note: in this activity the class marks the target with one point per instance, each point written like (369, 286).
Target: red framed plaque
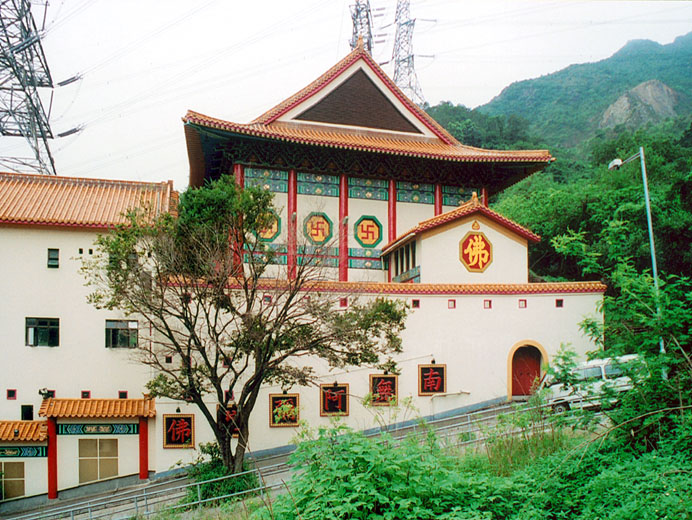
(334, 399)
(384, 389)
(432, 379)
(283, 410)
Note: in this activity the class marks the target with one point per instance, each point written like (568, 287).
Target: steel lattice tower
(362, 24)
(402, 56)
(23, 69)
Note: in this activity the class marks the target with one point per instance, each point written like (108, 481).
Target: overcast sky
(144, 63)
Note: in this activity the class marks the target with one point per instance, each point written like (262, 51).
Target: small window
(54, 258)
(42, 332)
(122, 394)
(522, 304)
(229, 396)
(11, 393)
(86, 394)
(267, 298)
(168, 359)
(343, 302)
(91, 251)
(487, 304)
(451, 304)
(559, 303)
(27, 411)
(81, 251)
(225, 363)
(415, 304)
(121, 334)
(11, 479)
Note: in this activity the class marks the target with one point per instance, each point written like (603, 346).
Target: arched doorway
(526, 368)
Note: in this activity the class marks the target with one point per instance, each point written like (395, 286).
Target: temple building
(401, 208)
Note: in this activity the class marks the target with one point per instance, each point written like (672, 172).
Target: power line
(404, 71)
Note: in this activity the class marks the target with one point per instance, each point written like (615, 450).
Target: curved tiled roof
(467, 208)
(79, 202)
(332, 137)
(27, 431)
(97, 408)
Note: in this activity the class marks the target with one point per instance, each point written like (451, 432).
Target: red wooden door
(526, 367)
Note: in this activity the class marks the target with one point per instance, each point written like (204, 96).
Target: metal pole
(662, 349)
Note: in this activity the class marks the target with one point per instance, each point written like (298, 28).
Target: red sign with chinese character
(179, 431)
(333, 399)
(432, 379)
(475, 252)
(384, 389)
(283, 409)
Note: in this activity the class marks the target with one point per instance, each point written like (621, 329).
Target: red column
(143, 448)
(292, 206)
(52, 459)
(438, 199)
(239, 174)
(343, 228)
(484, 197)
(391, 213)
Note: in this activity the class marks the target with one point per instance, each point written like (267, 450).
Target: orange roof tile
(359, 53)
(370, 141)
(467, 208)
(101, 408)
(79, 202)
(27, 431)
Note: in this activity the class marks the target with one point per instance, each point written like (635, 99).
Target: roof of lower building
(464, 210)
(79, 202)
(23, 431)
(97, 408)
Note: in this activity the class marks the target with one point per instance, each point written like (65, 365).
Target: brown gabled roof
(97, 408)
(27, 431)
(359, 53)
(467, 208)
(79, 202)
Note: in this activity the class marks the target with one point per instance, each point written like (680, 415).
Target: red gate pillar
(291, 208)
(438, 199)
(391, 213)
(52, 459)
(143, 448)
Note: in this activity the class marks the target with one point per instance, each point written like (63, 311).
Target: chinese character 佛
(179, 431)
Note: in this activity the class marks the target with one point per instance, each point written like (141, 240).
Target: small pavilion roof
(470, 207)
(26, 431)
(97, 408)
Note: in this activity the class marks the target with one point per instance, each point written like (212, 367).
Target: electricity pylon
(402, 56)
(23, 69)
(362, 24)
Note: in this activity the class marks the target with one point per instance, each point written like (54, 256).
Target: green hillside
(565, 107)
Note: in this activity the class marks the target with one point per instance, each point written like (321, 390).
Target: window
(27, 411)
(451, 304)
(42, 332)
(81, 251)
(121, 334)
(522, 304)
(12, 479)
(487, 304)
(11, 393)
(267, 298)
(343, 302)
(559, 303)
(168, 359)
(415, 304)
(54, 258)
(98, 459)
(122, 394)
(86, 394)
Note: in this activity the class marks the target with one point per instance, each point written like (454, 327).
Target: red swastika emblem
(368, 232)
(318, 228)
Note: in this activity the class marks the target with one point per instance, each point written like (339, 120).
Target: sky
(143, 63)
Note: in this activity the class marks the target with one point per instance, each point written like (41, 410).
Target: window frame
(4, 477)
(34, 339)
(114, 336)
(53, 261)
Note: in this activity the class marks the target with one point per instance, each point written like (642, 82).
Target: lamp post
(615, 164)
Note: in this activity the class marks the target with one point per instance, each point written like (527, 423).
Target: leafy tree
(230, 325)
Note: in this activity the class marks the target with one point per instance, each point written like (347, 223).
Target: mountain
(568, 106)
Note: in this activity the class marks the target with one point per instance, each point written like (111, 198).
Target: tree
(220, 304)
